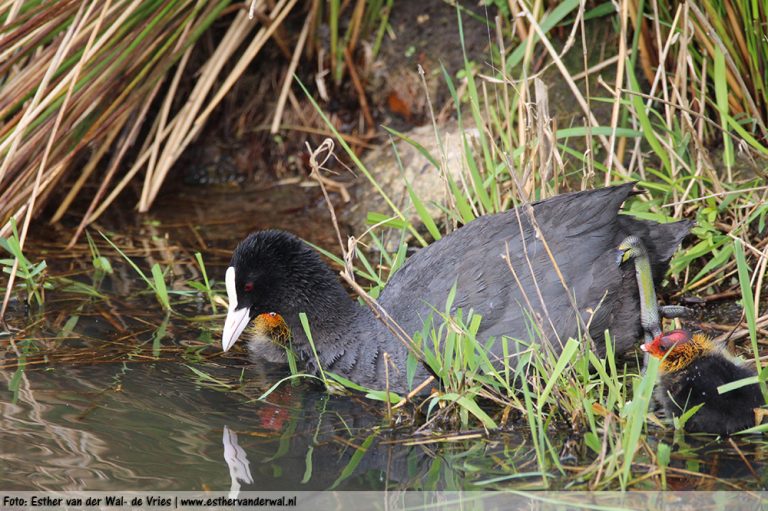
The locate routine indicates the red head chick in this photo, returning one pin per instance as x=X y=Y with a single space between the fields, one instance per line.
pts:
x=678 y=348
x=693 y=367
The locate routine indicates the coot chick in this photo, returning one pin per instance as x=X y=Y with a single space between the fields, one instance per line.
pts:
x=692 y=368
x=503 y=268
x=268 y=336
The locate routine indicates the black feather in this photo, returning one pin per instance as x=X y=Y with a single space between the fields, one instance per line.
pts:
x=581 y=231
x=697 y=383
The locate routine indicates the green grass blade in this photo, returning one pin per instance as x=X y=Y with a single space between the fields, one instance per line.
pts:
x=721 y=97
x=636 y=412
x=472 y=407
x=571 y=347
x=160 y=289
x=308 y=333
x=645 y=123
x=355 y=460
x=747 y=298
x=207 y=377
x=129 y=261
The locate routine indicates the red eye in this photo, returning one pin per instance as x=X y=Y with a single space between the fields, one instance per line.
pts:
x=248 y=287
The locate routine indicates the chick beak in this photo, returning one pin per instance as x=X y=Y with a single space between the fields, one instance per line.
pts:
x=237 y=319
x=645 y=347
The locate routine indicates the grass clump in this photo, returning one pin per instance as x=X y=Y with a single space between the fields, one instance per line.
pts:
x=32 y=275
x=657 y=135
x=573 y=390
x=156 y=283
x=80 y=75
x=726 y=41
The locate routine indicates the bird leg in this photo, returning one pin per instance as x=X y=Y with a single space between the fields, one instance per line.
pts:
x=633 y=248
x=674 y=311
x=650 y=317
x=650 y=312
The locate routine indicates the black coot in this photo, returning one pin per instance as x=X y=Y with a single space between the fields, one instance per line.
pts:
x=273 y=271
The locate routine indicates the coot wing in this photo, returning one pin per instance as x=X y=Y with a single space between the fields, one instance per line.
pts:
x=581 y=233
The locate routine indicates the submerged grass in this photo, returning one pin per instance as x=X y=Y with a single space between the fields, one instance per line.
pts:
x=156 y=283
x=32 y=275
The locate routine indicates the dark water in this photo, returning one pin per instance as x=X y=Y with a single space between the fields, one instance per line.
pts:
x=71 y=430
x=113 y=401
x=95 y=410
x=160 y=426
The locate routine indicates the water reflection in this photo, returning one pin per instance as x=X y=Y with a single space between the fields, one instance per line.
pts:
x=156 y=426
x=159 y=426
x=237 y=461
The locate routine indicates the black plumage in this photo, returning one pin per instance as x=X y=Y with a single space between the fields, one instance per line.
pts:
x=721 y=413
x=515 y=295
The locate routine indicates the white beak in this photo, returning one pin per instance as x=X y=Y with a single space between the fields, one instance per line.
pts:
x=643 y=347
x=236 y=320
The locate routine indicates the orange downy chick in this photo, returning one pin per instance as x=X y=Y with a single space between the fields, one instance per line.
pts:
x=692 y=369
x=680 y=347
x=268 y=335
x=271 y=327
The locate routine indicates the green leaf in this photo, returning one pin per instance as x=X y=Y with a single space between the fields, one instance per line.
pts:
x=743 y=382
x=682 y=419
x=747 y=298
x=645 y=123
x=420 y=148
x=582 y=131
x=421 y=210
x=570 y=349
x=101 y=263
x=207 y=377
x=635 y=413
x=472 y=407
x=721 y=96
x=355 y=460
x=160 y=290
x=305 y=325
x=159 y=335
